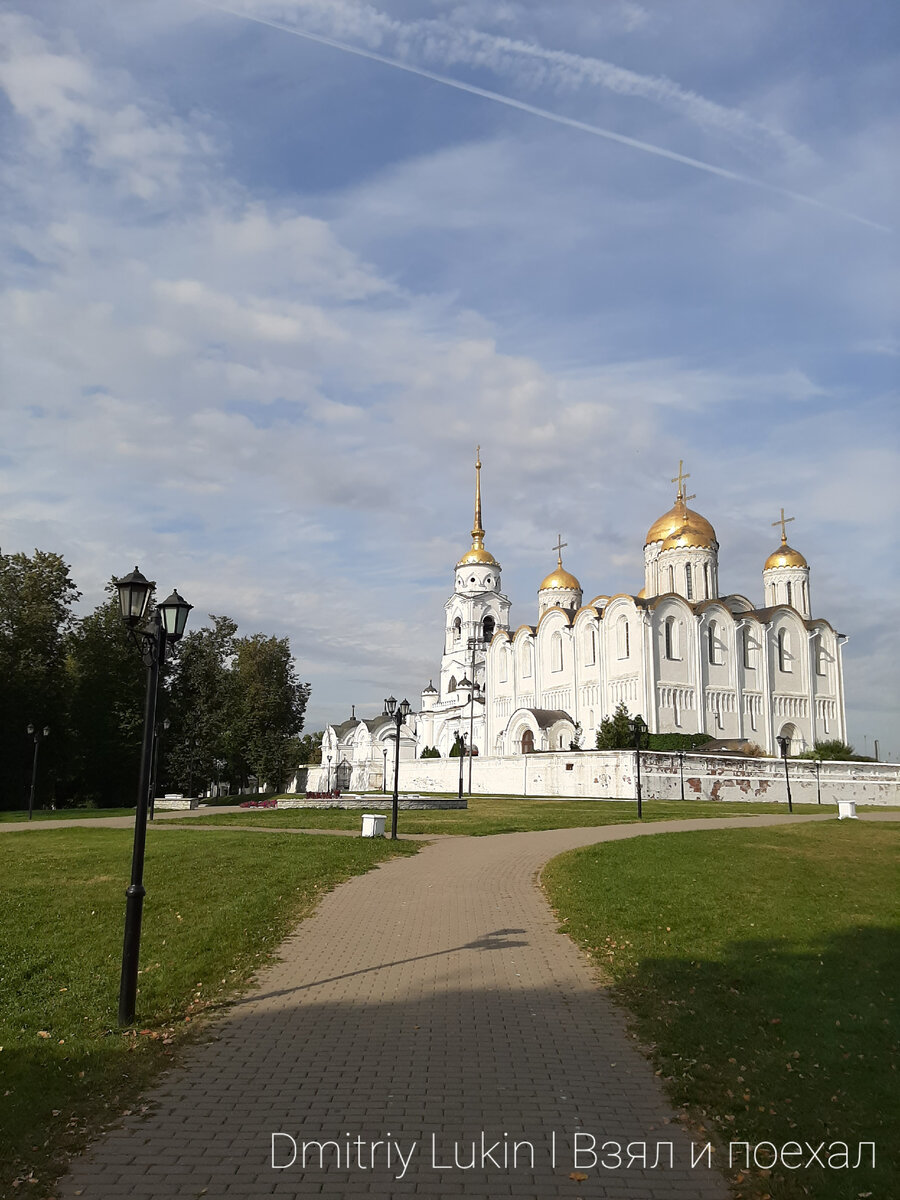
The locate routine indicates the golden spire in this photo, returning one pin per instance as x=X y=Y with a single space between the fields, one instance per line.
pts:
x=782 y=521
x=478 y=554
x=477 y=531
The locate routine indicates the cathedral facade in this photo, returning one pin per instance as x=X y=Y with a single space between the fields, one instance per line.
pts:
x=685 y=657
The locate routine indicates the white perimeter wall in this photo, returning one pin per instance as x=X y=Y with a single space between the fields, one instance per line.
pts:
x=610 y=774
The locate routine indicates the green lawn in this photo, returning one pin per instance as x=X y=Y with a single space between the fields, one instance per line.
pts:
x=761 y=967
x=496 y=814
x=65 y=814
x=64 y=1065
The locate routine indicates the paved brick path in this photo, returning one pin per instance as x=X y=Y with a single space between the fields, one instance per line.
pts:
x=433 y=995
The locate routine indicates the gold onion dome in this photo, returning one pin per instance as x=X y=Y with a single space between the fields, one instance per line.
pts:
x=477 y=553
x=681 y=522
x=785 y=556
x=561 y=578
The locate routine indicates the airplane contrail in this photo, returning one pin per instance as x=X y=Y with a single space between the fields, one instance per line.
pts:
x=548 y=115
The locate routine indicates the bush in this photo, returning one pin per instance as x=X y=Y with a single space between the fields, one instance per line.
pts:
x=676 y=741
x=430 y=752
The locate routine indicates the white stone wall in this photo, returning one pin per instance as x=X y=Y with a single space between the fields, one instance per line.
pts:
x=610 y=774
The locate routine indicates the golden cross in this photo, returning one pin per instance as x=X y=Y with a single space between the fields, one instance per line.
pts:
x=680 y=478
x=782 y=521
x=559 y=547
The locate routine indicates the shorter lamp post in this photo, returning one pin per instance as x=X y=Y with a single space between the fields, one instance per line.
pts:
x=461 y=742
x=783 y=743
x=398 y=714
x=638 y=729
x=818 y=781
x=681 y=770
x=384 y=771
x=151 y=636
x=157 y=738
x=328 y=788
x=38 y=735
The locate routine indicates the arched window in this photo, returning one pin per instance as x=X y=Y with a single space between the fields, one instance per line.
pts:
x=528 y=742
x=748 y=650
x=457 y=629
x=819 y=652
x=623 y=638
x=671 y=579
x=715 y=655
x=451 y=686
x=669 y=630
x=688 y=582
x=784 y=650
x=556 y=653
x=790 y=592
x=487 y=628
x=504 y=664
x=805 y=597
x=526 y=655
x=590 y=647
x=706 y=581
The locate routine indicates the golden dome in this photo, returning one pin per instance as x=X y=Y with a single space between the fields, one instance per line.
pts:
x=642 y=594
x=684 y=522
x=560 y=578
x=687 y=537
x=784 y=556
x=477 y=554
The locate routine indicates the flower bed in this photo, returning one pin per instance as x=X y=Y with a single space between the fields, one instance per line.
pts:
x=259 y=804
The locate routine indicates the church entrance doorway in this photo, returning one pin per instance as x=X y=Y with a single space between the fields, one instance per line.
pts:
x=342 y=775
x=528 y=742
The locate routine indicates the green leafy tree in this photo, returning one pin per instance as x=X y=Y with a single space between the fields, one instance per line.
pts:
x=831 y=750
x=310 y=747
x=615 y=731
x=270 y=703
x=106 y=683
x=202 y=705
x=577 y=738
x=36 y=598
x=430 y=752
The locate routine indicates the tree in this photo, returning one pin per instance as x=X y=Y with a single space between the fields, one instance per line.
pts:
x=270 y=703
x=106 y=683
x=310 y=746
x=615 y=731
x=202 y=706
x=36 y=598
x=832 y=750
x=430 y=752
x=577 y=737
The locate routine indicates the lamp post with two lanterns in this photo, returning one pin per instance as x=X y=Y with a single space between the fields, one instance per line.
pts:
x=398 y=714
x=151 y=634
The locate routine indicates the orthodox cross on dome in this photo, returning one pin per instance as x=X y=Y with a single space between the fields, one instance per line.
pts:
x=782 y=521
x=679 y=479
x=560 y=545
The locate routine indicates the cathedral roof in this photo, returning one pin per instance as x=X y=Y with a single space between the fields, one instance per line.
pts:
x=546 y=717
x=785 y=556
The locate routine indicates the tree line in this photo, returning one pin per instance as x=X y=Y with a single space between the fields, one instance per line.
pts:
x=234 y=705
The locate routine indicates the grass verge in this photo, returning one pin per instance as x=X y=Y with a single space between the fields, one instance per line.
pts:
x=66 y=1069
x=498 y=814
x=761 y=968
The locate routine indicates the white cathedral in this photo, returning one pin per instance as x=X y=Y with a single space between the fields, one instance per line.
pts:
x=683 y=656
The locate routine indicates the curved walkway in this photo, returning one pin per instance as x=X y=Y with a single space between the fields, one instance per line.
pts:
x=432 y=996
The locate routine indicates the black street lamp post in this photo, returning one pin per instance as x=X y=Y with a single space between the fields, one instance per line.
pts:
x=818 y=782
x=328 y=789
x=461 y=741
x=151 y=636
x=783 y=743
x=681 y=770
x=475 y=643
x=638 y=729
x=398 y=714
x=38 y=735
x=384 y=771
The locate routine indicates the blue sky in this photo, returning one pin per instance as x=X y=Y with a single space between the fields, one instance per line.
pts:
x=262 y=295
